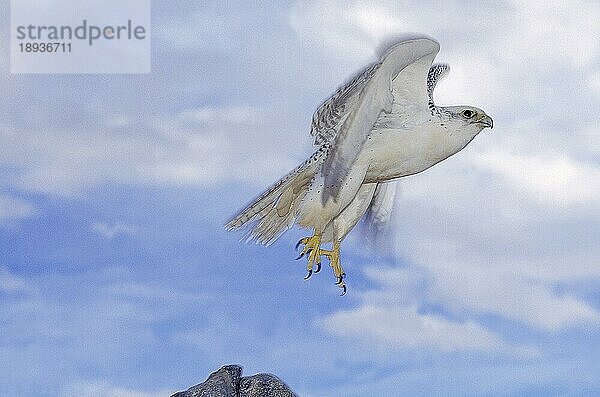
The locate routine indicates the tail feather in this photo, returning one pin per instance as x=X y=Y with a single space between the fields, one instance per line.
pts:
x=276 y=209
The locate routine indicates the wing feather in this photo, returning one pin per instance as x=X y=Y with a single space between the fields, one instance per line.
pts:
x=376 y=226
x=436 y=73
x=330 y=116
x=380 y=210
x=400 y=79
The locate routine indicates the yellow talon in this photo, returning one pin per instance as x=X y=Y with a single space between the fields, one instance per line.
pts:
x=334 y=261
x=312 y=247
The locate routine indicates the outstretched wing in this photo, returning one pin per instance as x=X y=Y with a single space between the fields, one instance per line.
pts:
x=330 y=116
x=380 y=210
x=376 y=228
x=399 y=80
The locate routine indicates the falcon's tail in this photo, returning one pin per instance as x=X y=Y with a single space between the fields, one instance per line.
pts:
x=275 y=210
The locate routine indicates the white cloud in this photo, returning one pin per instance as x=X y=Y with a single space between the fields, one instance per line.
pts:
x=63 y=162
x=594 y=81
x=12 y=208
x=524 y=30
x=378 y=22
x=554 y=31
x=484 y=246
x=214 y=145
x=558 y=180
x=110 y=231
x=200 y=146
x=391 y=315
x=352 y=28
x=13 y=284
x=481 y=289
x=327 y=27
x=475 y=79
x=397 y=327
x=242 y=115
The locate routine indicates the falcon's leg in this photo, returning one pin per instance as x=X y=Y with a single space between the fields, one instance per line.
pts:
x=312 y=248
x=334 y=261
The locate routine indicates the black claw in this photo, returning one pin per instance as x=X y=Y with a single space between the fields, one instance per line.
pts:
x=339 y=280
x=303 y=253
x=308 y=275
x=318 y=269
x=298 y=244
x=344 y=291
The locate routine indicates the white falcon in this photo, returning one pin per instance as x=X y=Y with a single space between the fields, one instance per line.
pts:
x=380 y=126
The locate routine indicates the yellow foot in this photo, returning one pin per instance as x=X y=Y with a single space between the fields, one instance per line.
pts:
x=334 y=261
x=312 y=248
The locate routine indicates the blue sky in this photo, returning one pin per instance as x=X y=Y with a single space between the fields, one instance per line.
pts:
x=117 y=278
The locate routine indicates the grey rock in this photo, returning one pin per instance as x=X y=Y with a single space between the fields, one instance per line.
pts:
x=228 y=382
x=264 y=385
x=222 y=383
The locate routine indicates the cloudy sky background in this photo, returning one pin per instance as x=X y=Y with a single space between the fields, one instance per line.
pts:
x=117 y=278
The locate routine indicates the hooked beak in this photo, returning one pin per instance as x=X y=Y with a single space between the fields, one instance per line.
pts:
x=486 y=121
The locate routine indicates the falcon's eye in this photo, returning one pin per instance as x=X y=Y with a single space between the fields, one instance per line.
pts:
x=468 y=113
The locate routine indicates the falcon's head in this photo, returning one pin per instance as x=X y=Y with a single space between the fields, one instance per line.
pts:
x=469 y=117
